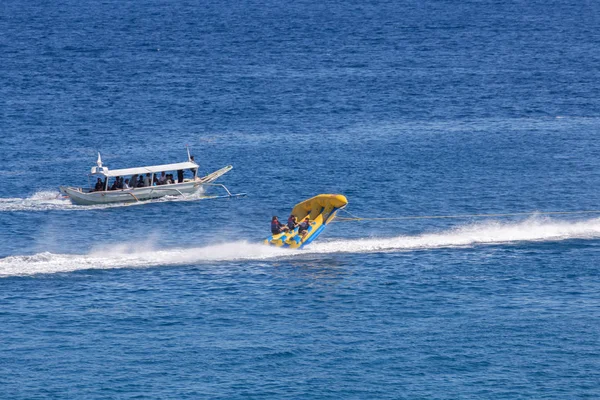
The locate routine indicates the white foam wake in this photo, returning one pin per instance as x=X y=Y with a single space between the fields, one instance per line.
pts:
x=123 y=257
x=48 y=200
x=490 y=232
x=40 y=201
x=534 y=229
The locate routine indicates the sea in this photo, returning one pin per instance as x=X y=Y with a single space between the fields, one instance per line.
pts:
x=416 y=108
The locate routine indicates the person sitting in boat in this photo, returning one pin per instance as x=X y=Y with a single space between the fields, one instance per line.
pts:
x=163 y=178
x=303 y=227
x=277 y=227
x=292 y=222
x=169 y=179
x=147 y=180
x=99 y=185
x=115 y=184
x=126 y=184
x=133 y=181
x=140 y=182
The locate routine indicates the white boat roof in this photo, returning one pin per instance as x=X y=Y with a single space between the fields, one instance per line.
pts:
x=149 y=169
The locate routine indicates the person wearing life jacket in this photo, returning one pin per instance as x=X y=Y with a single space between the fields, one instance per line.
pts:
x=277 y=227
x=292 y=222
x=303 y=227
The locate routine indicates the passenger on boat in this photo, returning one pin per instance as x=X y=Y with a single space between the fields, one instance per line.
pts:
x=99 y=185
x=134 y=181
x=277 y=227
x=147 y=180
x=169 y=179
x=163 y=178
x=119 y=182
x=126 y=184
x=155 y=180
x=292 y=222
x=140 y=182
x=180 y=176
x=115 y=184
x=303 y=227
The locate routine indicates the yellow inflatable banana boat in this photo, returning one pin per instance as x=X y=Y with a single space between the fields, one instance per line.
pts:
x=320 y=210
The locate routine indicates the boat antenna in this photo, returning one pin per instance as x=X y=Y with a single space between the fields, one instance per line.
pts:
x=188 y=151
x=99 y=162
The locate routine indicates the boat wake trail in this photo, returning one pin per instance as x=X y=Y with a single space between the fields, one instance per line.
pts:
x=534 y=229
x=40 y=201
x=124 y=257
x=492 y=232
x=49 y=200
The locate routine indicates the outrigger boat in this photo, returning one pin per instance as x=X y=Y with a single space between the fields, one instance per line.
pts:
x=320 y=210
x=183 y=185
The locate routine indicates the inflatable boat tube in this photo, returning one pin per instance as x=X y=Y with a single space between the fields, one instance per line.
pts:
x=321 y=210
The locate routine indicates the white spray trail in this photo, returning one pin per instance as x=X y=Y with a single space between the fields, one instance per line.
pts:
x=491 y=232
x=533 y=229
x=48 y=200
x=121 y=258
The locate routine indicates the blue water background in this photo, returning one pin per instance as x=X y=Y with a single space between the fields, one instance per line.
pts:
x=408 y=108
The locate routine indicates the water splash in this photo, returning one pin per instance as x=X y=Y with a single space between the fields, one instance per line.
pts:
x=40 y=201
x=490 y=232
x=129 y=256
x=48 y=200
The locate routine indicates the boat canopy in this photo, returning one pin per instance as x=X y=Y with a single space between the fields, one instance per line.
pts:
x=145 y=170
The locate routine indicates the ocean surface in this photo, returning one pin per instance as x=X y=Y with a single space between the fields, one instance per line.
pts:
x=412 y=108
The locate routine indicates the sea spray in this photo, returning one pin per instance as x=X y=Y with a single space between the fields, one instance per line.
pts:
x=135 y=256
x=144 y=255
x=48 y=200
x=488 y=232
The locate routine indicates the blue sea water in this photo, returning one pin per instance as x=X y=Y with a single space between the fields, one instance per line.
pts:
x=411 y=108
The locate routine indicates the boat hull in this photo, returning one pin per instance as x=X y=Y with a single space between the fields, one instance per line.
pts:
x=80 y=197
